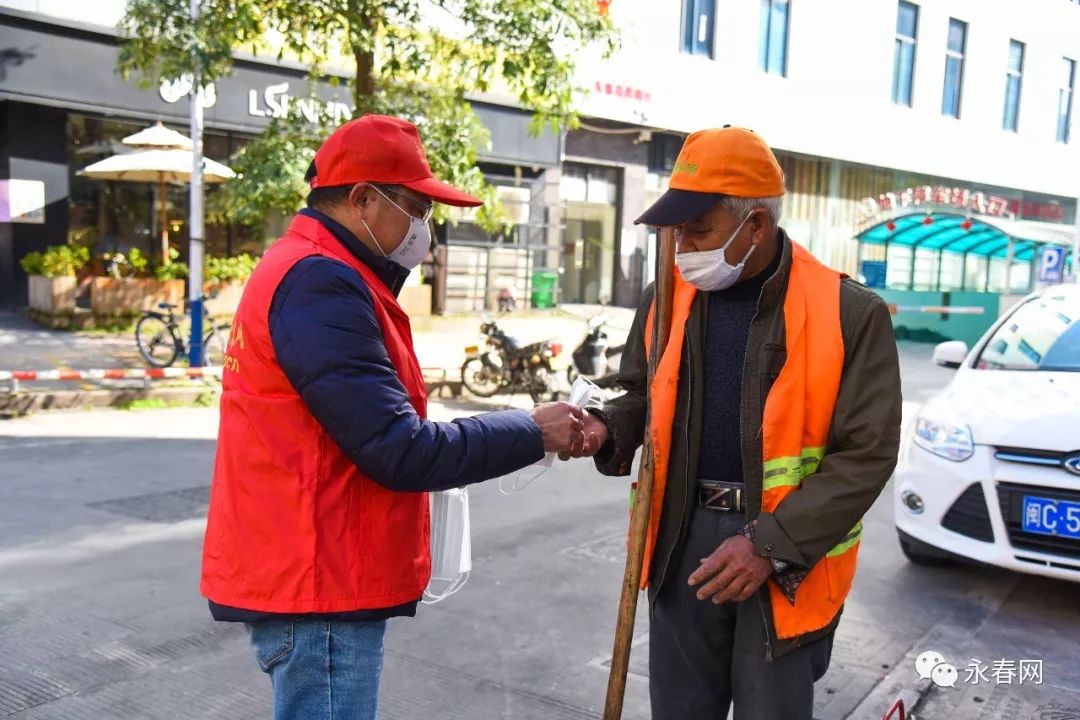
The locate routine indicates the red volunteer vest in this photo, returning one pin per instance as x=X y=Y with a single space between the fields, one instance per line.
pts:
x=294 y=526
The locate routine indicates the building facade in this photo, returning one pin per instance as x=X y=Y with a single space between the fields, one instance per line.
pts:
x=867 y=103
x=860 y=100
x=63 y=106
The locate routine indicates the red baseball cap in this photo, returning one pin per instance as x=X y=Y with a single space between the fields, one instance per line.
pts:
x=381 y=149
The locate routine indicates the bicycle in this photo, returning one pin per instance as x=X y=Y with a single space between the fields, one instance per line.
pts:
x=161 y=340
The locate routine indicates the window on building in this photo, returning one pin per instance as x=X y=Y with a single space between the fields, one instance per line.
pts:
x=663 y=152
x=907 y=26
x=698 y=30
x=589 y=183
x=954 y=68
x=1013 y=77
x=1065 y=99
x=774 y=36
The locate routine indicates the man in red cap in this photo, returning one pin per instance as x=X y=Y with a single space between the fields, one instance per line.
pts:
x=775 y=420
x=318 y=528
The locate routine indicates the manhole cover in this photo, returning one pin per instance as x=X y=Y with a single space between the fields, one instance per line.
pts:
x=165 y=507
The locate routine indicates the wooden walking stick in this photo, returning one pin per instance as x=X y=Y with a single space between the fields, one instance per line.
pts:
x=639 y=517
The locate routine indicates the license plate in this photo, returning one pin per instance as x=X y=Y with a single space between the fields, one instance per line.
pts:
x=472 y=351
x=1046 y=516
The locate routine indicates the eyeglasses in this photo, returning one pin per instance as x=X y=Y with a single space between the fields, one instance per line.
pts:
x=415 y=208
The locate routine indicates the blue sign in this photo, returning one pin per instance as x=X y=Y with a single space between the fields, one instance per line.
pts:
x=1052 y=264
x=874 y=272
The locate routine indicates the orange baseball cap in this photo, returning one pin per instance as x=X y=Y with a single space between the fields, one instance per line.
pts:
x=713 y=163
x=385 y=150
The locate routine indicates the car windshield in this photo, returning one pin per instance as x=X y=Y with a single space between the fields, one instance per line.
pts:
x=1042 y=334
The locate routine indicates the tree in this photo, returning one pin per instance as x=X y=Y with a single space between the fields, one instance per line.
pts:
x=413 y=58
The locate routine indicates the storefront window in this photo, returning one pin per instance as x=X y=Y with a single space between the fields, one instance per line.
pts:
x=116 y=216
x=516 y=202
x=589 y=183
x=105 y=216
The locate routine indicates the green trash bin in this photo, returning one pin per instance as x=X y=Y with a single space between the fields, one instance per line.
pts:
x=543 y=289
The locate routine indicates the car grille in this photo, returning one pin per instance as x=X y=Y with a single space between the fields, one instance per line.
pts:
x=969 y=515
x=1029 y=456
x=1011 y=498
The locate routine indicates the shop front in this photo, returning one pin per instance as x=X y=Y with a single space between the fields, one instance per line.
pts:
x=63 y=107
x=953 y=260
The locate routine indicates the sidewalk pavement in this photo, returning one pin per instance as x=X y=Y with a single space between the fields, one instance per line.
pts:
x=1024 y=667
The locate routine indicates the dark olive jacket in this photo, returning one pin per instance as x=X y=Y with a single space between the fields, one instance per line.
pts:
x=859 y=459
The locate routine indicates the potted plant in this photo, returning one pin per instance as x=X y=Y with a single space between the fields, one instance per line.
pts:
x=225 y=278
x=131 y=287
x=53 y=286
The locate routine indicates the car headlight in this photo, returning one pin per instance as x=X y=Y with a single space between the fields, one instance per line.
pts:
x=944 y=438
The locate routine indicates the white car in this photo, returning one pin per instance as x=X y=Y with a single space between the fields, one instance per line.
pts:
x=990 y=468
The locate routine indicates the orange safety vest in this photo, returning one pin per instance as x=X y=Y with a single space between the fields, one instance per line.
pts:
x=795 y=429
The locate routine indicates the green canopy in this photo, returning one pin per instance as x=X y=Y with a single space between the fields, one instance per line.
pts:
x=980 y=236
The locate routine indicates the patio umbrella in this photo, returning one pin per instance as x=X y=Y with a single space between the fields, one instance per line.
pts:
x=163 y=165
x=158 y=136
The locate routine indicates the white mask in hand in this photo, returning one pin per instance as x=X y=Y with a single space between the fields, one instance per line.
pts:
x=581 y=392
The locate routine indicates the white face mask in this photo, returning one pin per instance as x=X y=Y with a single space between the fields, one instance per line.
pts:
x=414 y=247
x=709 y=270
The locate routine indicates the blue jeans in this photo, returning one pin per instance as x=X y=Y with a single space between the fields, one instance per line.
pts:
x=321 y=669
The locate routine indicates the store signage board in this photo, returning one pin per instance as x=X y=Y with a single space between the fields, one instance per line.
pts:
x=941 y=196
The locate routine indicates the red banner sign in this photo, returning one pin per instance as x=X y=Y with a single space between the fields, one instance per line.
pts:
x=953 y=197
x=622 y=91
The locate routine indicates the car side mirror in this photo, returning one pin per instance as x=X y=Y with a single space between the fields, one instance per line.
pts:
x=951 y=354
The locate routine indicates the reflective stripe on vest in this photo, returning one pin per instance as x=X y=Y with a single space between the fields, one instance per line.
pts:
x=795 y=428
x=791 y=470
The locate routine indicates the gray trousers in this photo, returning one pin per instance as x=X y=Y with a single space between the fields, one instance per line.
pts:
x=704 y=657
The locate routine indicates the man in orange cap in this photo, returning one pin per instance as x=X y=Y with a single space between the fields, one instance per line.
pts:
x=318 y=529
x=775 y=417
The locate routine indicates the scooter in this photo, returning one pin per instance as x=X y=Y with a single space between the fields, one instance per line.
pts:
x=594 y=358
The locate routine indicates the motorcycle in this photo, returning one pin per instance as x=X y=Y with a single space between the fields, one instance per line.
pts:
x=508 y=366
x=594 y=358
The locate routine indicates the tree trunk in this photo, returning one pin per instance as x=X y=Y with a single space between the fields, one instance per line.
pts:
x=365 y=23
x=365 y=78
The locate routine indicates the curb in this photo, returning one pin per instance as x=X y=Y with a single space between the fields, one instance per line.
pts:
x=23 y=403
x=950 y=638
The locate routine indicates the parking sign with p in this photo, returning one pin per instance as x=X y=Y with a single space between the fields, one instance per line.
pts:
x=1052 y=264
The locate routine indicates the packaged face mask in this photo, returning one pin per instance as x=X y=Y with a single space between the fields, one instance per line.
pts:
x=581 y=393
x=451 y=544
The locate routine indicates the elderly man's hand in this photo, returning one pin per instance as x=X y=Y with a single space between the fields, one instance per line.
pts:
x=596 y=434
x=562 y=425
x=732 y=572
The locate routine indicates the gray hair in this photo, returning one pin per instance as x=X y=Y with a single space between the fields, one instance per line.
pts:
x=741 y=207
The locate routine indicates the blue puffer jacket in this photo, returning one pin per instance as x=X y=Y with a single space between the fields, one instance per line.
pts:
x=329 y=344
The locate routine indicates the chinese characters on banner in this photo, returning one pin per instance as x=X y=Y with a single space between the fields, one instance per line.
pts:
x=622 y=91
x=958 y=198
